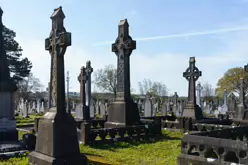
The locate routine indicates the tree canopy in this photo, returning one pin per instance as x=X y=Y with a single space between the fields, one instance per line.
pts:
x=231 y=81
x=19 y=67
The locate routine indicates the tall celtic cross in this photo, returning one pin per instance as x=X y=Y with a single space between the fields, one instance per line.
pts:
x=123 y=47
x=192 y=74
x=82 y=78
x=56 y=44
x=88 y=71
x=242 y=92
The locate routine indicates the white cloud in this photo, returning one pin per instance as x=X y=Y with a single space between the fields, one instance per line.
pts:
x=166 y=67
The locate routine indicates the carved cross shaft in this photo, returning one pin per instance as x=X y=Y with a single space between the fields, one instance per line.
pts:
x=56 y=44
x=88 y=69
x=123 y=47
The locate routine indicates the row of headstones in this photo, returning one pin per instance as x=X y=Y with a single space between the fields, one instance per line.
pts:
x=98 y=108
x=25 y=108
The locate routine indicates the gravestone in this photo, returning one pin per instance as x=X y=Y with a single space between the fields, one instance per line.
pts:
x=164 y=108
x=192 y=74
x=175 y=101
x=25 y=109
x=7 y=89
x=88 y=72
x=92 y=108
x=102 y=109
x=57 y=141
x=123 y=111
x=148 y=106
x=242 y=108
x=38 y=106
x=224 y=106
x=199 y=89
x=81 y=107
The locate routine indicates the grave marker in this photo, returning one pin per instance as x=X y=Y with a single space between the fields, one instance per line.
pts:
x=123 y=111
x=57 y=141
x=192 y=74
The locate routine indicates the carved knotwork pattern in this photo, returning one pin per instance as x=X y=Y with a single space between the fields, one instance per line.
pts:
x=192 y=73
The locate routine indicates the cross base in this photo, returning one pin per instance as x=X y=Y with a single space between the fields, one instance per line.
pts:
x=55 y=130
x=192 y=110
x=122 y=114
x=42 y=159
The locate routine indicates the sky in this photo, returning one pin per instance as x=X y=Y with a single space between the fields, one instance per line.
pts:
x=168 y=33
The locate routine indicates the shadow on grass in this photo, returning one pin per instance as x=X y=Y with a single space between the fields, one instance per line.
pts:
x=127 y=144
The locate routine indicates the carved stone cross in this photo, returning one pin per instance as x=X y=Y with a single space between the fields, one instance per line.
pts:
x=88 y=71
x=192 y=74
x=82 y=78
x=123 y=47
x=56 y=44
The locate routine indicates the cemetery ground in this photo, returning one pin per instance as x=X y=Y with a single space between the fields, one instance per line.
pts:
x=22 y=121
x=160 y=150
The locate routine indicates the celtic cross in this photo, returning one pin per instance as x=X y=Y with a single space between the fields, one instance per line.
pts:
x=88 y=71
x=56 y=44
x=123 y=47
x=82 y=78
x=192 y=74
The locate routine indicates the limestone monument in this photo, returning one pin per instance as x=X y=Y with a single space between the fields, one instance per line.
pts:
x=57 y=141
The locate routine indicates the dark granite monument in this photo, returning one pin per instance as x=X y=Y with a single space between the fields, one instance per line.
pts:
x=123 y=111
x=57 y=141
x=192 y=74
x=8 y=130
x=82 y=107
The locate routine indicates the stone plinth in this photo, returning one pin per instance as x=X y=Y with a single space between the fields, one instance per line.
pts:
x=57 y=141
x=122 y=114
x=193 y=111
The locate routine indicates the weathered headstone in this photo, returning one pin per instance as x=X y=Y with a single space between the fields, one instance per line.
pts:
x=57 y=140
x=123 y=111
x=7 y=89
x=175 y=103
x=164 y=109
x=199 y=89
x=192 y=74
x=224 y=106
x=102 y=109
x=148 y=106
x=92 y=108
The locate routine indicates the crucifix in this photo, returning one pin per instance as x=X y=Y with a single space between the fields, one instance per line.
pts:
x=123 y=47
x=88 y=71
x=56 y=44
x=192 y=74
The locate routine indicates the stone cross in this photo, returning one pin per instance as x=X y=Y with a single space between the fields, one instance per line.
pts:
x=192 y=74
x=82 y=78
x=88 y=72
x=239 y=113
x=57 y=140
x=175 y=104
x=225 y=97
x=57 y=44
x=123 y=47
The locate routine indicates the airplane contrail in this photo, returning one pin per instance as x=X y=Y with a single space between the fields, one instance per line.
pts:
x=182 y=35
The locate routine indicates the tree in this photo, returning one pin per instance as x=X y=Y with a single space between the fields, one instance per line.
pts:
x=28 y=87
x=154 y=88
x=231 y=81
x=207 y=92
x=105 y=79
x=19 y=67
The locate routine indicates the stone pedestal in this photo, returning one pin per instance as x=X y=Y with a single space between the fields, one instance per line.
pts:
x=8 y=130
x=57 y=141
x=193 y=111
x=122 y=114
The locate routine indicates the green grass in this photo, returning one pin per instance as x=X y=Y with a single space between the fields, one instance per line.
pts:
x=158 y=151
x=20 y=121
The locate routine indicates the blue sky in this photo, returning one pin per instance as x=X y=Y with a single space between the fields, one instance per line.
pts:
x=92 y=22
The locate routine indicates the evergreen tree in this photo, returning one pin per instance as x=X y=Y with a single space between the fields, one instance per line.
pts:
x=19 y=67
